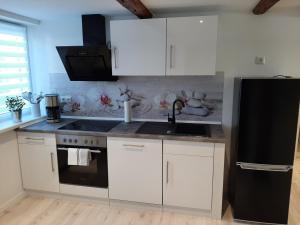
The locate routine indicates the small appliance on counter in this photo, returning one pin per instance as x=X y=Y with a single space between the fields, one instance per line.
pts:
x=52 y=108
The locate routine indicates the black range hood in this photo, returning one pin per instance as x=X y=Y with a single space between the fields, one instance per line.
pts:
x=92 y=61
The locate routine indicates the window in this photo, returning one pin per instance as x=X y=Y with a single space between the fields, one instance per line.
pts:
x=14 y=64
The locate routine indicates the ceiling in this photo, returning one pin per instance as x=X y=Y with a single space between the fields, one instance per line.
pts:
x=47 y=9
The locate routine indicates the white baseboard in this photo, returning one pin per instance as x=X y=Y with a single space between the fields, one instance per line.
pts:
x=77 y=198
x=188 y=211
x=82 y=191
x=134 y=205
x=159 y=208
x=12 y=201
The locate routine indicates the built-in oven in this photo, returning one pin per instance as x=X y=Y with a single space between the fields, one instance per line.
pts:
x=94 y=172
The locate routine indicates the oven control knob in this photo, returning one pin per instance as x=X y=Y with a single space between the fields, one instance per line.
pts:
x=85 y=141
x=75 y=140
x=70 y=140
x=65 y=140
x=92 y=142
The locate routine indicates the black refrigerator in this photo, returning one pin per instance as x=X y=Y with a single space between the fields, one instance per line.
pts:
x=264 y=134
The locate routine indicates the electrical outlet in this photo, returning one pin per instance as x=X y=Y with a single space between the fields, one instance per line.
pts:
x=66 y=99
x=260 y=60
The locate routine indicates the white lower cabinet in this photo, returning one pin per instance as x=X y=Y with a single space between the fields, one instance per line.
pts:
x=188 y=174
x=135 y=170
x=173 y=173
x=38 y=160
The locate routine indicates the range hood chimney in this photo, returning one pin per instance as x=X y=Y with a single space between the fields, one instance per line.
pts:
x=92 y=61
x=93 y=30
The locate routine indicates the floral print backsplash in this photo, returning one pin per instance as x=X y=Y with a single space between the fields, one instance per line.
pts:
x=150 y=97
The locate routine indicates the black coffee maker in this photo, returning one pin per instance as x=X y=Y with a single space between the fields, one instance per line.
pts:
x=52 y=108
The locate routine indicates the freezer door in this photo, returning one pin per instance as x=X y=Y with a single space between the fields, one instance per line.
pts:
x=262 y=193
x=268 y=121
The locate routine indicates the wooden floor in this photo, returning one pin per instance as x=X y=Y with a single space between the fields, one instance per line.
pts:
x=294 y=217
x=33 y=210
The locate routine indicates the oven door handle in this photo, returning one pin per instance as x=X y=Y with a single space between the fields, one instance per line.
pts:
x=97 y=151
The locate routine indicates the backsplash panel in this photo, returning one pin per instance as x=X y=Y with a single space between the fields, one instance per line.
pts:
x=151 y=97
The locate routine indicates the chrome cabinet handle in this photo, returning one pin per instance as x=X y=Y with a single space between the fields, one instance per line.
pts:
x=52 y=161
x=35 y=139
x=135 y=146
x=115 y=56
x=167 y=173
x=134 y=149
x=171 y=56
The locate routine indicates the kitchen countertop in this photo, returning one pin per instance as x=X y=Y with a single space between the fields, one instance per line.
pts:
x=125 y=130
x=8 y=124
x=45 y=127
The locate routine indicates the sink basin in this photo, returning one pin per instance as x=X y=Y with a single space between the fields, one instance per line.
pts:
x=161 y=128
x=189 y=129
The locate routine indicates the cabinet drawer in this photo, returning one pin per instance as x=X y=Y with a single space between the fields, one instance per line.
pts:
x=133 y=144
x=188 y=148
x=36 y=138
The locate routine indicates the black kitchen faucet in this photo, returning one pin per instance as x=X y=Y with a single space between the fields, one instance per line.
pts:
x=172 y=120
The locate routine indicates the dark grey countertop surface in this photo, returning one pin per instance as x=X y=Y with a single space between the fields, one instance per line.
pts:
x=125 y=130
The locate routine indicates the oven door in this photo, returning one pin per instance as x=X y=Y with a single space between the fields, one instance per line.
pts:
x=93 y=175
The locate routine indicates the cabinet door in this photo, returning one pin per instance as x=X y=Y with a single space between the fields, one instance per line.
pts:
x=135 y=170
x=188 y=181
x=39 y=167
x=138 y=47
x=191 y=45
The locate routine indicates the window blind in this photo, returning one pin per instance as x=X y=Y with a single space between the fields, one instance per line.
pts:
x=14 y=65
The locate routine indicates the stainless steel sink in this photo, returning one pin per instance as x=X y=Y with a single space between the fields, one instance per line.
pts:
x=161 y=128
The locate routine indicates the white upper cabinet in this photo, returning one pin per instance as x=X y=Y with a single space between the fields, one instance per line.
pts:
x=191 y=45
x=157 y=47
x=138 y=47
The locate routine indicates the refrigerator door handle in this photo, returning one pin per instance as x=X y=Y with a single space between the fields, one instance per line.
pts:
x=264 y=167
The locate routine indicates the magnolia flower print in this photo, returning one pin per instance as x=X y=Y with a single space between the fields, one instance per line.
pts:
x=75 y=107
x=105 y=100
x=164 y=104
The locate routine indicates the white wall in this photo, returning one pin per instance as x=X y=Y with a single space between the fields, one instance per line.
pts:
x=10 y=176
x=42 y=42
x=241 y=38
x=44 y=59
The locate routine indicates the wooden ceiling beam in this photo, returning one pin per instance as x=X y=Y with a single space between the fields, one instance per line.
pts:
x=137 y=8
x=263 y=6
